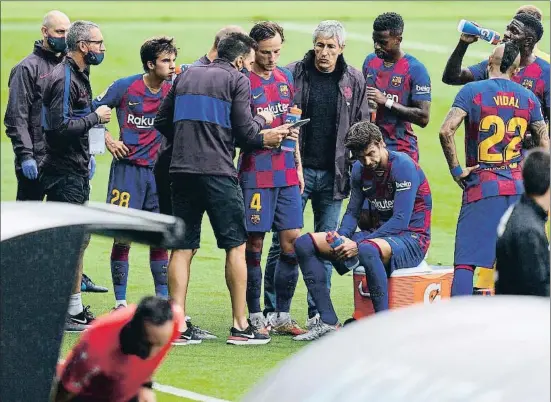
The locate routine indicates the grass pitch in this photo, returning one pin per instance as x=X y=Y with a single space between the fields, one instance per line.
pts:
x=213 y=368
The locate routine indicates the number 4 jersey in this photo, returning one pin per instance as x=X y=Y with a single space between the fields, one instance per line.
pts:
x=499 y=112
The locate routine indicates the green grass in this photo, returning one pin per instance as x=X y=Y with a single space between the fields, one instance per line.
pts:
x=213 y=368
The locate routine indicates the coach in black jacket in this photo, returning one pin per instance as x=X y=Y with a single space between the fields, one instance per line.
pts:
x=522 y=254
x=24 y=109
x=67 y=102
x=67 y=117
x=164 y=157
x=205 y=113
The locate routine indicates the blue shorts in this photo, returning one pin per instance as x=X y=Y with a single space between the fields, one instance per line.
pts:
x=476 y=234
x=408 y=249
x=132 y=186
x=274 y=209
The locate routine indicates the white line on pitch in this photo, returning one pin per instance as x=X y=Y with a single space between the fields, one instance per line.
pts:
x=183 y=393
x=427 y=47
x=167 y=389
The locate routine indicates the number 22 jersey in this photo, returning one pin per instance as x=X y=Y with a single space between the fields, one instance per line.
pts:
x=499 y=112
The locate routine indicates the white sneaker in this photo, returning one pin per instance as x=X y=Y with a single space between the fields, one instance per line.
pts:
x=270 y=318
x=260 y=323
x=317 y=331
x=312 y=322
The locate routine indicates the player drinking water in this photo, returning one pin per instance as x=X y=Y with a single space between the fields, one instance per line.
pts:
x=497 y=114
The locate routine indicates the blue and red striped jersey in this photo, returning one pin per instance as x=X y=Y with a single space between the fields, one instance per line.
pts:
x=136 y=108
x=269 y=168
x=499 y=112
x=535 y=77
x=405 y=81
x=390 y=201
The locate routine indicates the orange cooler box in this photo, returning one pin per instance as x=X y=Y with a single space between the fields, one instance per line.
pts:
x=423 y=284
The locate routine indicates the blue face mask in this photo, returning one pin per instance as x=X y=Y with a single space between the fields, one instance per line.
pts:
x=93 y=58
x=58 y=45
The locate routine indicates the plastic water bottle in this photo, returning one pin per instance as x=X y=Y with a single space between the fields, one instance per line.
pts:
x=468 y=27
x=293 y=115
x=334 y=241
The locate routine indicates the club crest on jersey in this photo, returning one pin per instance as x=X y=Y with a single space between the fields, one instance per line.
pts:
x=284 y=90
x=255 y=219
x=397 y=80
x=528 y=83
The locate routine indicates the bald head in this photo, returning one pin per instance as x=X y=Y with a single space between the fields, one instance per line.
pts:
x=530 y=10
x=55 y=26
x=505 y=59
x=225 y=31
x=55 y=18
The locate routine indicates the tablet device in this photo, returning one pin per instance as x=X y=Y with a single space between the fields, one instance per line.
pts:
x=300 y=123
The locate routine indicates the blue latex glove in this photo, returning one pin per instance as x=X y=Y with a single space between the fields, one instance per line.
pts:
x=92 y=167
x=30 y=170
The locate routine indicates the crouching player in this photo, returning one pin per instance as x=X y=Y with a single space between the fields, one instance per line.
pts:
x=131 y=180
x=392 y=191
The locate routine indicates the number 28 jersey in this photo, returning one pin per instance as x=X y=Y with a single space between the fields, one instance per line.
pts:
x=499 y=112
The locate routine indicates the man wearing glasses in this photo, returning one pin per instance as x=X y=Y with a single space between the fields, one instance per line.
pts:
x=67 y=166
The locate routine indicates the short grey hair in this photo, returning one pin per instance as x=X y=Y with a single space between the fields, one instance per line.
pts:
x=79 y=31
x=330 y=29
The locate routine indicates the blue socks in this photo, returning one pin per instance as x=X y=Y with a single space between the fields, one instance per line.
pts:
x=158 y=262
x=462 y=284
x=377 y=281
x=254 y=281
x=315 y=277
x=286 y=278
x=119 y=270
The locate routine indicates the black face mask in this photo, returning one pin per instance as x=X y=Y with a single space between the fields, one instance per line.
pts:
x=58 y=45
x=133 y=342
x=93 y=58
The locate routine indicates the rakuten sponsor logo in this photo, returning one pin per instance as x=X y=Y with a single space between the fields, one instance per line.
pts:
x=382 y=205
x=140 y=121
x=276 y=109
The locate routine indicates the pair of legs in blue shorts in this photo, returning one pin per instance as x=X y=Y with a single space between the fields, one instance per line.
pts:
x=476 y=238
x=278 y=209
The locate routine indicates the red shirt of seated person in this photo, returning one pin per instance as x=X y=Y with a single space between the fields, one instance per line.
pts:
x=117 y=356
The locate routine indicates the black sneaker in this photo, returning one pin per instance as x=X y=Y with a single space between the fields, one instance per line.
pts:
x=249 y=336
x=189 y=337
x=87 y=285
x=200 y=332
x=79 y=322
